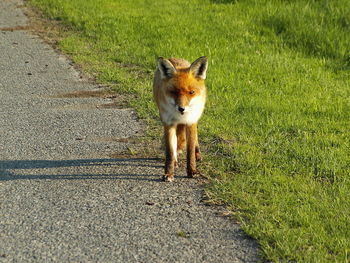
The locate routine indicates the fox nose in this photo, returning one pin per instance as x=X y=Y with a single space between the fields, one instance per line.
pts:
x=181 y=109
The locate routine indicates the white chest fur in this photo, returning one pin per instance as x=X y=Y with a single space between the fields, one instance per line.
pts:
x=170 y=115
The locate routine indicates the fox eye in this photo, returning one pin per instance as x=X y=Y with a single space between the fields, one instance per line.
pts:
x=192 y=92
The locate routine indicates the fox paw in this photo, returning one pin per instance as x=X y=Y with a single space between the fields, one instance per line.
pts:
x=168 y=178
x=192 y=174
x=198 y=156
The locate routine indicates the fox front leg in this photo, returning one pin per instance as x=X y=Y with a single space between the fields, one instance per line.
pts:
x=170 y=152
x=191 y=137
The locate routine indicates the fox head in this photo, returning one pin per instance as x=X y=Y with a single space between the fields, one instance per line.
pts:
x=184 y=85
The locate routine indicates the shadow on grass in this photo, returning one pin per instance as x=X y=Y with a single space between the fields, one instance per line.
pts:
x=80 y=169
x=315 y=41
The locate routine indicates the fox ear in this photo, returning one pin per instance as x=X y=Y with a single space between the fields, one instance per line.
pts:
x=165 y=67
x=199 y=67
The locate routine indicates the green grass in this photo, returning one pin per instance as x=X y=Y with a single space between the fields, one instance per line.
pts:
x=277 y=122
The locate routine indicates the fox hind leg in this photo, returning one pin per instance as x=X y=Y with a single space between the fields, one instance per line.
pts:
x=181 y=137
x=197 y=150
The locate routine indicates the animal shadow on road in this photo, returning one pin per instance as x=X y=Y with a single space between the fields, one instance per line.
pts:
x=145 y=169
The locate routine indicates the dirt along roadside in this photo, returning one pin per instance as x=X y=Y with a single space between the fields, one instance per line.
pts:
x=63 y=197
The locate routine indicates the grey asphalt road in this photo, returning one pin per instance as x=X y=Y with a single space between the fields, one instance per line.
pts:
x=63 y=198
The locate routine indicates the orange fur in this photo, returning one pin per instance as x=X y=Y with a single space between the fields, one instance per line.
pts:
x=180 y=94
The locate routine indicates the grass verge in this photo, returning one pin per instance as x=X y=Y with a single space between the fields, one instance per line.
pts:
x=276 y=127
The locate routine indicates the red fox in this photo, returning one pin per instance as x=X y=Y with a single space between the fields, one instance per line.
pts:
x=180 y=93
